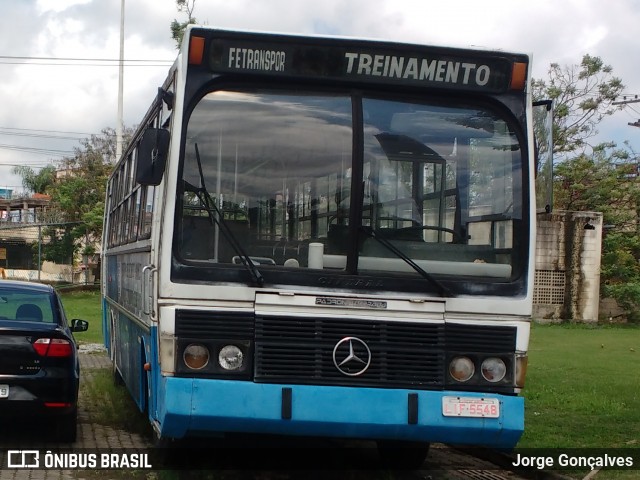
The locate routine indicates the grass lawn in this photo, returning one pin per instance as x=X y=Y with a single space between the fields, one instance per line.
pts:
x=583 y=387
x=84 y=304
x=582 y=390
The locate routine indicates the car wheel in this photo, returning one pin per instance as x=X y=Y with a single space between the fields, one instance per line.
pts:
x=67 y=427
x=402 y=454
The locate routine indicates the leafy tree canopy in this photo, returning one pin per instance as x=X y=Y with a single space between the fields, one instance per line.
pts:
x=78 y=194
x=583 y=96
x=604 y=181
x=80 y=191
x=178 y=28
x=601 y=177
x=36 y=182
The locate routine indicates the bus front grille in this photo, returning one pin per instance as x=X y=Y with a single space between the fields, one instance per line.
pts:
x=301 y=350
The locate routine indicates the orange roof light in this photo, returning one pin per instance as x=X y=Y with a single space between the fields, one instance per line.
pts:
x=196 y=50
x=518 y=76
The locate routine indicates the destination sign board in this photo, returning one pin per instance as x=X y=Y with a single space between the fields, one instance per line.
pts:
x=364 y=62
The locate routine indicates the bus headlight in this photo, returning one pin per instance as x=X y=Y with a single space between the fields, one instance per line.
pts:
x=230 y=357
x=461 y=369
x=493 y=369
x=196 y=356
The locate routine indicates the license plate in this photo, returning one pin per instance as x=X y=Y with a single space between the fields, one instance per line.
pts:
x=470 y=407
x=4 y=391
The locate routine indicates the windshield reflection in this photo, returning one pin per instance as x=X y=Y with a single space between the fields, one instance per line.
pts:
x=441 y=184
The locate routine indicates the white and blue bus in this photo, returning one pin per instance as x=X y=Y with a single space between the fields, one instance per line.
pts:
x=327 y=237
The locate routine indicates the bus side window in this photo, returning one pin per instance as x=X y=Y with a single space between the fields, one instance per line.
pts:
x=147 y=211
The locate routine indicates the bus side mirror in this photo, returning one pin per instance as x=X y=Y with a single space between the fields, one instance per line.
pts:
x=152 y=156
x=543 y=161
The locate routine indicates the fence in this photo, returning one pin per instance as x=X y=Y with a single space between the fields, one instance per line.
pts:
x=24 y=248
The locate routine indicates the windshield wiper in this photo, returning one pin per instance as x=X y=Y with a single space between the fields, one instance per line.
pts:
x=215 y=215
x=442 y=290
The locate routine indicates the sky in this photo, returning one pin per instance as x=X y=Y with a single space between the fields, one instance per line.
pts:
x=58 y=58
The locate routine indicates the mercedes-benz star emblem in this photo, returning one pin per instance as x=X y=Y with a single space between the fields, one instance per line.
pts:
x=351 y=356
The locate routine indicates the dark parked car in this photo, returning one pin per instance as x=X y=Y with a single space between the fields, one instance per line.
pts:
x=39 y=369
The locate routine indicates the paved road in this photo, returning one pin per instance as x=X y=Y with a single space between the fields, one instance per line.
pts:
x=442 y=463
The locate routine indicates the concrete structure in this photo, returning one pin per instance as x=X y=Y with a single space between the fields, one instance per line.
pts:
x=24 y=209
x=567 y=277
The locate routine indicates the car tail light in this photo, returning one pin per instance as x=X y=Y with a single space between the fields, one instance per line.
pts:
x=53 y=347
x=57 y=404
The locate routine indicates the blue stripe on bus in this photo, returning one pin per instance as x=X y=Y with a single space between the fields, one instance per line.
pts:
x=201 y=406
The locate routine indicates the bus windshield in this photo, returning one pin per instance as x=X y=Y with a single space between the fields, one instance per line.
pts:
x=329 y=181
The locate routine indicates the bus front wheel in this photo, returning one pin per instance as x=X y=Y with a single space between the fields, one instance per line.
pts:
x=402 y=454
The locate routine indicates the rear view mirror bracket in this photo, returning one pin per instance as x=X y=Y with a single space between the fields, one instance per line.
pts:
x=543 y=161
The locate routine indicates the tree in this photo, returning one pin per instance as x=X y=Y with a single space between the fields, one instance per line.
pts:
x=178 y=28
x=36 y=182
x=583 y=96
x=78 y=195
x=606 y=180
x=620 y=270
x=59 y=246
x=602 y=177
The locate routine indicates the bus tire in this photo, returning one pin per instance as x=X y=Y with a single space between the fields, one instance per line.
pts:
x=402 y=454
x=166 y=443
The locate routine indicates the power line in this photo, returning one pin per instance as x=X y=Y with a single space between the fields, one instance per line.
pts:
x=116 y=60
x=47 y=131
x=30 y=165
x=48 y=134
x=85 y=62
x=36 y=135
x=40 y=151
x=48 y=64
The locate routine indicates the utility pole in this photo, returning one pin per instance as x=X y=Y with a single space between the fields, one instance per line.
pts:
x=120 y=86
x=635 y=99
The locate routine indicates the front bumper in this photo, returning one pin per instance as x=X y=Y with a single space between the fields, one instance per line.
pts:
x=194 y=406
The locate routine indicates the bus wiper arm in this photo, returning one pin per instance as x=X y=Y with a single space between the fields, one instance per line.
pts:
x=216 y=216
x=442 y=290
